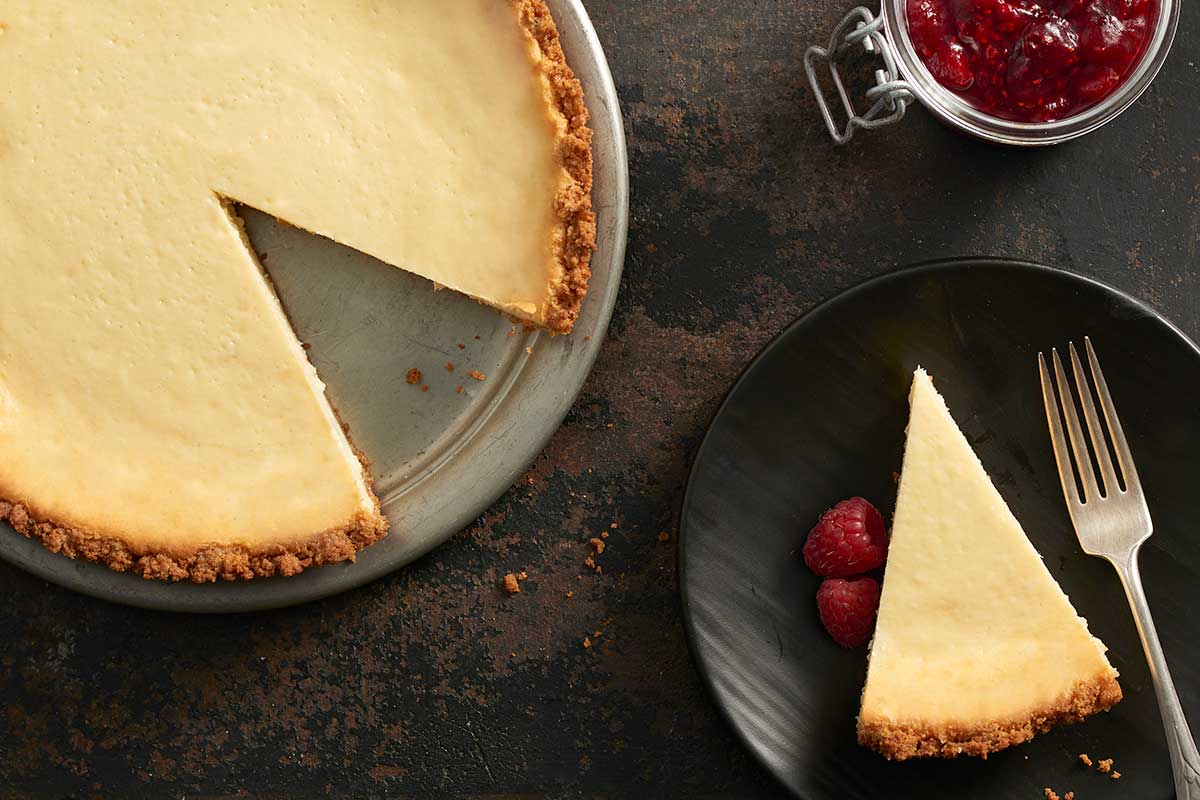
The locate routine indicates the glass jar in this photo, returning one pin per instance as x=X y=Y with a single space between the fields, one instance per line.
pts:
x=903 y=77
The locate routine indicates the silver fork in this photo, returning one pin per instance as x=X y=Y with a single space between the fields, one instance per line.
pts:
x=1112 y=523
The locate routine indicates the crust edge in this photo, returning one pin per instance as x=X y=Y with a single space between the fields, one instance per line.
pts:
x=576 y=239
x=205 y=564
x=900 y=741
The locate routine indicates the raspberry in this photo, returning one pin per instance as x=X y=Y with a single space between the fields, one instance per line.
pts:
x=847 y=609
x=849 y=539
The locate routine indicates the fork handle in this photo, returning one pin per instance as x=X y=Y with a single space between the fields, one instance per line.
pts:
x=1185 y=761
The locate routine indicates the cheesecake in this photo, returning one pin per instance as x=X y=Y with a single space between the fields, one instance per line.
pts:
x=157 y=412
x=976 y=647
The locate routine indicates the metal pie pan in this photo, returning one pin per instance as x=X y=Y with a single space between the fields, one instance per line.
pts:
x=438 y=457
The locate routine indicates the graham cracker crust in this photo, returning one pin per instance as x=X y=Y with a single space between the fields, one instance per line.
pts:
x=576 y=238
x=899 y=741
x=207 y=563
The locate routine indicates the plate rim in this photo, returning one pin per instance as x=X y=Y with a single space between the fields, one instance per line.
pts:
x=612 y=210
x=687 y=612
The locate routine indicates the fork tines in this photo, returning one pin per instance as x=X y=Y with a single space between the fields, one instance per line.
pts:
x=1100 y=434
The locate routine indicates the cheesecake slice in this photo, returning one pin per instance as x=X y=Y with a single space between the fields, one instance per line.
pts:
x=976 y=647
x=157 y=413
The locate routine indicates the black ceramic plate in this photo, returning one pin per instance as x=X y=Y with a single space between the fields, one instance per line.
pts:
x=820 y=415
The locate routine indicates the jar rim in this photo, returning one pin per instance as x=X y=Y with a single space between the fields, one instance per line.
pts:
x=952 y=109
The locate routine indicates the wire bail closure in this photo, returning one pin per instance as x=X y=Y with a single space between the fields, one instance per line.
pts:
x=890 y=95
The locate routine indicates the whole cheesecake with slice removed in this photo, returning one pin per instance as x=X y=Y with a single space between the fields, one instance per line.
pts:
x=976 y=647
x=157 y=412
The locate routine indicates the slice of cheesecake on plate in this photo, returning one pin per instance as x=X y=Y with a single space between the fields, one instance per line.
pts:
x=976 y=647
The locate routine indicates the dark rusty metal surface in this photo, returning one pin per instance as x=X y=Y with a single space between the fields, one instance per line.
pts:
x=435 y=682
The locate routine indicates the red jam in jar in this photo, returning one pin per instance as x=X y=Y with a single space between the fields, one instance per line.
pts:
x=1030 y=60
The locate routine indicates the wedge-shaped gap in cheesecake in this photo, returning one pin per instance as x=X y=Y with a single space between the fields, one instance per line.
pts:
x=307 y=325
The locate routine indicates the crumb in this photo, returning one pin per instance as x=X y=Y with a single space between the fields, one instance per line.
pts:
x=529 y=350
x=414 y=377
x=570 y=595
x=613 y=526
x=587 y=338
x=523 y=575
x=598 y=544
x=477 y=338
x=425 y=388
x=895 y=477
x=1085 y=759
x=597 y=634
x=586 y=643
x=305 y=346
x=449 y=366
x=1069 y=796
x=513 y=654
x=461 y=346
x=609 y=425
x=477 y=375
x=510 y=584
x=604 y=535
x=512 y=331
x=1104 y=765
x=459 y=389
x=1116 y=776
x=599 y=570
x=663 y=536
x=591 y=562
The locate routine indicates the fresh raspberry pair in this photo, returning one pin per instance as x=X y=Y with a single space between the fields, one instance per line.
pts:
x=849 y=540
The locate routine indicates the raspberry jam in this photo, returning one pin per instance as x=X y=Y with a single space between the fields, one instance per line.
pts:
x=1030 y=60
